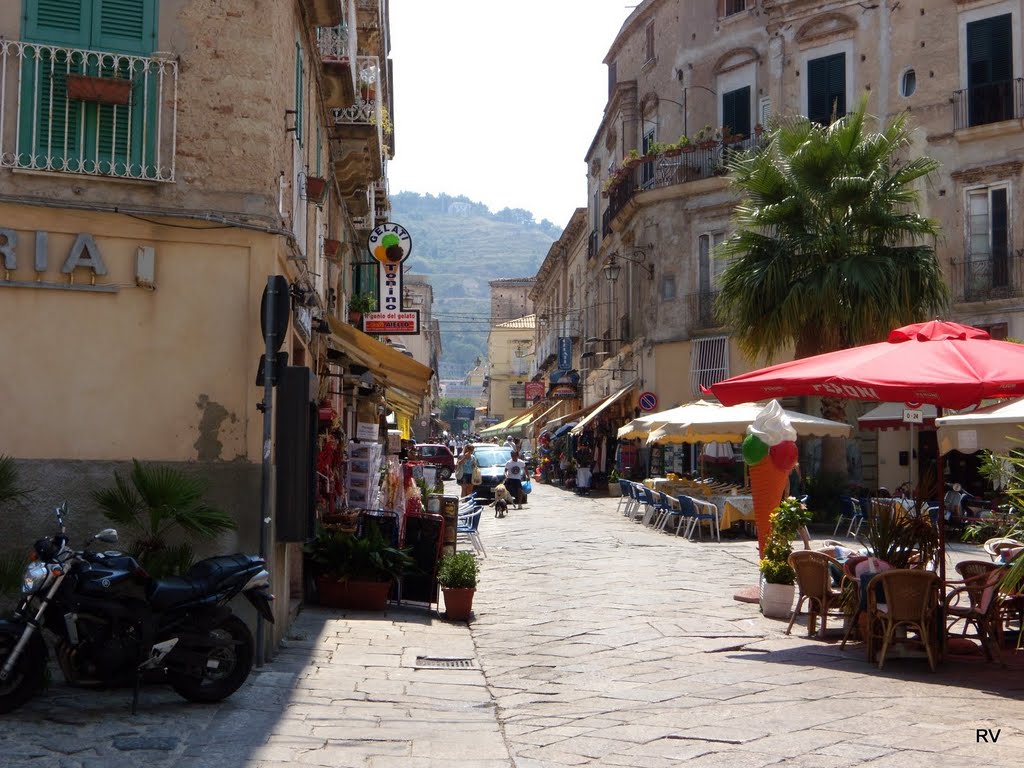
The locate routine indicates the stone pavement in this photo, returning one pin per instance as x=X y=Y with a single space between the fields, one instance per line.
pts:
x=595 y=642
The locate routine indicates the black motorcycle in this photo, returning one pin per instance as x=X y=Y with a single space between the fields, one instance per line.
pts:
x=113 y=625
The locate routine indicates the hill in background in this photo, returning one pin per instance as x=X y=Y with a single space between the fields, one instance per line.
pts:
x=461 y=246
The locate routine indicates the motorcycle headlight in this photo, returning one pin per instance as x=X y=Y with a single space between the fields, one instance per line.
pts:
x=34 y=578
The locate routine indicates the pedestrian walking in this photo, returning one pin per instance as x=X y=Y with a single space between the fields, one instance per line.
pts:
x=464 y=469
x=515 y=471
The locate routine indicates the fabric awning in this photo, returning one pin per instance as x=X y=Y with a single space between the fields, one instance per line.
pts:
x=594 y=413
x=574 y=416
x=526 y=422
x=996 y=428
x=501 y=425
x=409 y=378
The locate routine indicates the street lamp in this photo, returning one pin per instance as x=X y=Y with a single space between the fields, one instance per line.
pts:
x=612 y=268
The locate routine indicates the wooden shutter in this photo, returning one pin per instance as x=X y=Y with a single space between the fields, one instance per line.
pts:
x=836 y=86
x=125 y=26
x=1000 y=239
x=989 y=51
x=826 y=88
x=736 y=111
x=298 y=92
x=61 y=22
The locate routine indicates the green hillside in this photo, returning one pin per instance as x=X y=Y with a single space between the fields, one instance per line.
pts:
x=461 y=246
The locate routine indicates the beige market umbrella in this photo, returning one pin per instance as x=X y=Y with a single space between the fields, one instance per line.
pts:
x=707 y=422
x=641 y=427
x=998 y=428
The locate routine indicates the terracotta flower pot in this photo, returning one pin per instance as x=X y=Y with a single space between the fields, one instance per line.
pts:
x=458 y=603
x=355 y=318
x=316 y=189
x=332 y=248
x=101 y=90
x=354 y=595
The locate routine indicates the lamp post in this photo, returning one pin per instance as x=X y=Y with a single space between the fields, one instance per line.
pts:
x=685 y=89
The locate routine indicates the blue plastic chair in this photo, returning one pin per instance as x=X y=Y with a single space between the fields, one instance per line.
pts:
x=468 y=525
x=688 y=515
x=662 y=509
x=850 y=510
x=625 y=496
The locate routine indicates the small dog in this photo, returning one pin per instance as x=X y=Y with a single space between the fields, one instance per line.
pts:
x=501 y=499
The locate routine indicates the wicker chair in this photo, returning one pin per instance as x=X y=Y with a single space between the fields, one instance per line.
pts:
x=977 y=602
x=814 y=583
x=911 y=599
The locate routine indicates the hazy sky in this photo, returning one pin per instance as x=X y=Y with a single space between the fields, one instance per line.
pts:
x=500 y=101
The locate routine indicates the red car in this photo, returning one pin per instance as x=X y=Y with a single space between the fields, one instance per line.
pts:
x=435 y=455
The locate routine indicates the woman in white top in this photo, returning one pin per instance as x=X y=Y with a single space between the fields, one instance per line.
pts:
x=515 y=472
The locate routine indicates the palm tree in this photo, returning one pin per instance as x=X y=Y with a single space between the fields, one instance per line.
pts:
x=155 y=502
x=829 y=250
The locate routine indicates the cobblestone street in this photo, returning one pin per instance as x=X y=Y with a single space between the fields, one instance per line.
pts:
x=596 y=642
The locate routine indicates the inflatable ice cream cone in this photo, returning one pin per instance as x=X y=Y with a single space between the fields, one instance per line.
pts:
x=770 y=452
x=767 y=484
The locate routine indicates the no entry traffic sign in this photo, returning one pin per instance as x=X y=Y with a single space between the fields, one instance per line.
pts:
x=648 y=401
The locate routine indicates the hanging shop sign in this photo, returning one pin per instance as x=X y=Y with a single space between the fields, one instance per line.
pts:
x=564 y=353
x=390 y=244
x=83 y=253
x=534 y=391
x=562 y=391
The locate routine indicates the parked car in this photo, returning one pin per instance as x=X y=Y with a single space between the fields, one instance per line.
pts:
x=492 y=459
x=434 y=455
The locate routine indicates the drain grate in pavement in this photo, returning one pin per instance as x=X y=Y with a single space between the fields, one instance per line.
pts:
x=444 y=662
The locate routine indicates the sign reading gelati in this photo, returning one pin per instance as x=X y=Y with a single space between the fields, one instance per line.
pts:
x=563 y=390
x=390 y=244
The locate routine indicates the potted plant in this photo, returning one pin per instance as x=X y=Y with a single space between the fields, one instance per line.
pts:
x=777 y=577
x=99 y=90
x=331 y=249
x=316 y=189
x=359 y=305
x=457 y=575
x=356 y=571
x=613 y=484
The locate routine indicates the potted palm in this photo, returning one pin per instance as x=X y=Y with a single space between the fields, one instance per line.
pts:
x=357 y=571
x=777 y=577
x=158 y=504
x=457 y=575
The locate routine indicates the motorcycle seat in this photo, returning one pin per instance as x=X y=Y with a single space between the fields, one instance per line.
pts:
x=201 y=580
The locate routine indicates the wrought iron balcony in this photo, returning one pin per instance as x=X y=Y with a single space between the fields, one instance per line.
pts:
x=94 y=113
x=693 y=163
x=988 y=278
x=988 y=103
x=699 y=309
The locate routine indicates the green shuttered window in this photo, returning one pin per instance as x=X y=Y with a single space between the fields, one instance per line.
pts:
x=826 y=88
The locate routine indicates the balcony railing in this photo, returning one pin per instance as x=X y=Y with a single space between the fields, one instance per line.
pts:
x=367 y=109
x=988 y=103
x=698 y=162
x=699 y=309
x=987 y=278
x=94 y=113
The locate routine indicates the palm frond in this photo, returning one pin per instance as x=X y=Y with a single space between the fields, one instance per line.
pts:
x=9 y=488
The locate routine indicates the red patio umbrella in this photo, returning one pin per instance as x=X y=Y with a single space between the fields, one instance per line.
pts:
x=938 y=362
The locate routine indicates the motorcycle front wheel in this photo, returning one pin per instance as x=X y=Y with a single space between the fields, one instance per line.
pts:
x=26 y=678
x=227 y=663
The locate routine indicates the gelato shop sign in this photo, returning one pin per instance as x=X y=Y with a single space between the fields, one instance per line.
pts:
x=84 y=253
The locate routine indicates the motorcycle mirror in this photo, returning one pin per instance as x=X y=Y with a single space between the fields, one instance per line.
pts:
x=107 y=536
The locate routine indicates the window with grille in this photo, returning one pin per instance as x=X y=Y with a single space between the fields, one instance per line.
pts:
x=709 y=362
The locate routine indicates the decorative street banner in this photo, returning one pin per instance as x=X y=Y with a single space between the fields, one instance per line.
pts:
x=390 y=244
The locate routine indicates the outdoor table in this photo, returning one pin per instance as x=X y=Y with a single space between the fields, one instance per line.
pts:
x=733 y=509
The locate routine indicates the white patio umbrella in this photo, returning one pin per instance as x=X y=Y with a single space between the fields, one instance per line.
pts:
x=642 y=426
x=707 y=422
x=998 y=428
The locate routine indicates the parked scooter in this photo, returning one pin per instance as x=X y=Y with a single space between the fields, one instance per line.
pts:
x=115 y=625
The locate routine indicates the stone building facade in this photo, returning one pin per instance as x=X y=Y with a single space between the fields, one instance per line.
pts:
x=159 y=161
x=720 y=73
